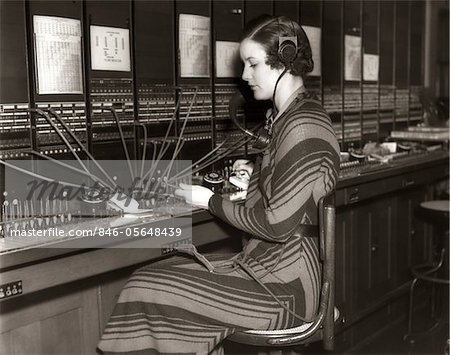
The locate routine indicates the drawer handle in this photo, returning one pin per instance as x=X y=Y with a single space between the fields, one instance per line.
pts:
x=374 y=248
x=407 y=183
x=353 y=198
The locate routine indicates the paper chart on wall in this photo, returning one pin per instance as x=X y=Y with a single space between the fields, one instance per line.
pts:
x=314 y=36
x=371 y=66
x=58 y=56
x=227 y=59
x=194 y=46
x=110 y=48
x=352 y=57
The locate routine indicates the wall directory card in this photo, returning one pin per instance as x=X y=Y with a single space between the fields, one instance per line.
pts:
x=58 y=57
x=314 y=35
x=227 y=59
x=194 y=42
x=352 y=57
x=110 y=48
x=371 y=65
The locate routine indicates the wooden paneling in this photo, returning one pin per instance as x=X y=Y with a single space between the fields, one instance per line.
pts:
x=417 y=34
x=370 y=26
x=13 y=53
x=287 y=8
x=311 y=12
x=228 y=20
x=56 y=321
x=332 y=43
x=372 y=251
x=401 y=43
x=154 y=42
x=256 y=8
x=386 y=42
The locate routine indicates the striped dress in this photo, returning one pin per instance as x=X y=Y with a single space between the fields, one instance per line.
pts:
x=179 y=306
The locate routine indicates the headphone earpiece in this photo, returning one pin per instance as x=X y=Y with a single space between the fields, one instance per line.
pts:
x=287 y=50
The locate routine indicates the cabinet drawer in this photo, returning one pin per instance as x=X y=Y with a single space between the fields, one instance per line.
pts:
x=371 y=189
x=368 y=190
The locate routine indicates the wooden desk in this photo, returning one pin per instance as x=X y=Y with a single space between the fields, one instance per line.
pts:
x=69 y=294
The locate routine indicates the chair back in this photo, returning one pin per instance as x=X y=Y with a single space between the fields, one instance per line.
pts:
x=327 y=223
x=322 y=328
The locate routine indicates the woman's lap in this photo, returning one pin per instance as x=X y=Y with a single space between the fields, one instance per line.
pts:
x=178 y=305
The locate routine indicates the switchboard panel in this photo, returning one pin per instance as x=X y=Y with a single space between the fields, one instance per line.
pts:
x=15 y=125
x=156 y=96
x=194 y=42
x=165 y=71
x=370 y=79
x=229 y=21
x=57 y=91
x=111 y=90
x=332 y=63
x=311 y=21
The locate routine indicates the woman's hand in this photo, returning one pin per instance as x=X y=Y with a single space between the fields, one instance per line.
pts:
x=243 y=166
x=195 y=195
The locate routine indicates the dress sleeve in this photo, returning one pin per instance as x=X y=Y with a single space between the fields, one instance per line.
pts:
x=253 y=190
x=304 y=164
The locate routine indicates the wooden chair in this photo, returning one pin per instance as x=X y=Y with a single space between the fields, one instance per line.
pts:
x=322 y=328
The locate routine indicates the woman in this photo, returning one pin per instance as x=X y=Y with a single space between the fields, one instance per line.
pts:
x=189 y=305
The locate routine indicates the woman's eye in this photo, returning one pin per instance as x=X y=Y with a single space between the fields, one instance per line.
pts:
x=252 y=65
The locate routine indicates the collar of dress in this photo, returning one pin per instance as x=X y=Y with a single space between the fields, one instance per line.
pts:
x=271 y=118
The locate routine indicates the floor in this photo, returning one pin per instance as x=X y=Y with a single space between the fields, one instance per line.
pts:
x=391 y=341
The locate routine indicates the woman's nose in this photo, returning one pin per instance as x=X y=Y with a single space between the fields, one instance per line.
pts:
x=245 y=74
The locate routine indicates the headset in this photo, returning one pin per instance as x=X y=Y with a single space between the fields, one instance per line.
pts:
x=287 y=50
x=287 y=53
x=287 y=47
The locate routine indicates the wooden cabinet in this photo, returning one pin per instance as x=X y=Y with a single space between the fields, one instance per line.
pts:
x=378 y=238
x=411 y=242
x=61 y=320
x=371 y=251
x=69 y=295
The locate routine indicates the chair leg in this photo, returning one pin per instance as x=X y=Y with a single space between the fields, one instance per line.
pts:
x=410 y=310
x=433 y=298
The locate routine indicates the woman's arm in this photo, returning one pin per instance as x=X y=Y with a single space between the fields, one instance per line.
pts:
x=253 y=191
x=306 y=160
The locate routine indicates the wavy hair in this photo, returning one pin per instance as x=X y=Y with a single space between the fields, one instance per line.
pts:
x=266 y=31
